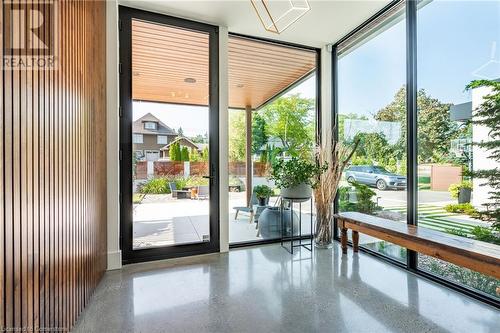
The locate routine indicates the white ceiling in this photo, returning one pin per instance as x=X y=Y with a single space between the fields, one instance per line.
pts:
x=325 y=23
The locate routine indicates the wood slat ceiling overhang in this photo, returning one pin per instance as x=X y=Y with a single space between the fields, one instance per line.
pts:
x=163 y=57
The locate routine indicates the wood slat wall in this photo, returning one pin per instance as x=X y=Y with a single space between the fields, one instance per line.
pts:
x=53 y=172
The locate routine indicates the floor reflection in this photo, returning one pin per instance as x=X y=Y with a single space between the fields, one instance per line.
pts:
x=265 y=289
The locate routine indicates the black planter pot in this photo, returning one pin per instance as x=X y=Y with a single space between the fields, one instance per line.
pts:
x=464 y=195
x=262 y=201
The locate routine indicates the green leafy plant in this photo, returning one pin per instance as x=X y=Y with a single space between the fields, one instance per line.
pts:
x=196 y=181
x=157 y=185
x=363 y=202
x=454 y=189
x=295 y=171
x=463 y=208
x=486 y=235
x=263 y=191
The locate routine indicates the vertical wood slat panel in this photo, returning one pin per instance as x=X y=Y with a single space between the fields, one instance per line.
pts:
x=52 y=173
x=2 y=217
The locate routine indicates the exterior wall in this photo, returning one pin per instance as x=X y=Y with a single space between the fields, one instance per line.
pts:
x=150 y=143
x=442 y=176
x=480 y=156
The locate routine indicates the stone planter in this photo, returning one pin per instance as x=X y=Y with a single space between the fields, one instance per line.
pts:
x=301 y=192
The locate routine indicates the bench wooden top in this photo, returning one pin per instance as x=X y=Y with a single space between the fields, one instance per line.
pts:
x=466 y=246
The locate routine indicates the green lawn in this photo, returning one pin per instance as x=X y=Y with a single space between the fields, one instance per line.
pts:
x=434 y=217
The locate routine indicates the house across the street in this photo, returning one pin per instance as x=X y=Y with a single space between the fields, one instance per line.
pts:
x=149 y=136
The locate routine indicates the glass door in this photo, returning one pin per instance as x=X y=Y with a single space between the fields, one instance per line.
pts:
x=168 y=136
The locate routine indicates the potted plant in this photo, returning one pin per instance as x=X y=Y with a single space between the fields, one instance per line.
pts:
x=295 y=177
x=335 y=156
x=461 y=191
x=262 y=192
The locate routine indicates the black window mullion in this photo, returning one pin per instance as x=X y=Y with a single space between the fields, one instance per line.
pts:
x=411 y=122
x=335 y=124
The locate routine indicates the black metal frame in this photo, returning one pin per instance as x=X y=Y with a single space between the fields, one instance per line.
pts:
x=318 y=113
x=292 y=238
x=129 y=255
x=411 y=7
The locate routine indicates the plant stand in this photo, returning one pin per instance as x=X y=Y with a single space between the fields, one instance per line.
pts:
x=299 y=240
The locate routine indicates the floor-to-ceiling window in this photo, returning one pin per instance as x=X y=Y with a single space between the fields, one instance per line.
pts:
x=372 y=109
x=272 y=115
x=449 y=49
x=458 y=43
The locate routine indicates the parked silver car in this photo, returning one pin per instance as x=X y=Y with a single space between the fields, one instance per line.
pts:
x=375 y=176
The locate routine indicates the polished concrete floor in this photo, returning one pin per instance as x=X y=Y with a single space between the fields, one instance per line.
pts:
x=265 y=289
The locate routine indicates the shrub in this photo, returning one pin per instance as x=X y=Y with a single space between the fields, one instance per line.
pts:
x=455 y=188
x=196 y=181
x=364 y=202
x=464 y=208
x=155 y=186
x=486 y=235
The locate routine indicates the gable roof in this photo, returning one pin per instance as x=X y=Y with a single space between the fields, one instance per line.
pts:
x=183 y=141
x=162 y=129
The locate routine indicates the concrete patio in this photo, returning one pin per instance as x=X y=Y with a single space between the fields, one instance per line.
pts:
x=160 y=220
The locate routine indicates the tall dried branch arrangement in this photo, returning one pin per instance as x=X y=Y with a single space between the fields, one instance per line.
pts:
x=335 y=156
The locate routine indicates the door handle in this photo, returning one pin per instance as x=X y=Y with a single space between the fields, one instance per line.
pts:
x=209 y=177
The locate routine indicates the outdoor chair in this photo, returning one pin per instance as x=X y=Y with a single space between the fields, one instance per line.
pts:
x=248 y=209
x=179 y=194
x=202 y=192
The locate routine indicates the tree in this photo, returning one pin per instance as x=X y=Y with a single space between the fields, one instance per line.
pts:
x=172 y=152
x=236 y=135
x=200 y=138
x=180 y=132
x=205 y=155
x=435 y=129
x=291 y=120
x=194 y=155
x=184 y=154
x=488 y=115
x=259 y=135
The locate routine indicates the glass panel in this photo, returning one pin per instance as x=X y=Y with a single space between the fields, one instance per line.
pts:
x=170 y=146
x=372 y=109
x=457 y=43
x=272 y=92
x=295 y=109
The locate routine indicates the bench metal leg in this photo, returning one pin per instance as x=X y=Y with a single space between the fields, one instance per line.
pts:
x=343 y=239
x=355 y=241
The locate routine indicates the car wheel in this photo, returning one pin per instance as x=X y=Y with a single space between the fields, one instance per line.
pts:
x=351 y=179
x=381 y=184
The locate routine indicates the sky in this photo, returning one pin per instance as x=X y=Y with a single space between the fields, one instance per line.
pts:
x=458 y=41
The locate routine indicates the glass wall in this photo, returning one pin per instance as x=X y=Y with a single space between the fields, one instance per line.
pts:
x=458 y=89
x=372 y=109
x=285 y=127
x=272 y=116
x=458 y=43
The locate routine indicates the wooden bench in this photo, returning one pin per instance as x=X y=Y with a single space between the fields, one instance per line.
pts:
x=478 y=256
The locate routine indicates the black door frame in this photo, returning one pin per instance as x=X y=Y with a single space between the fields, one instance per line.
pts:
x=126 y=15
